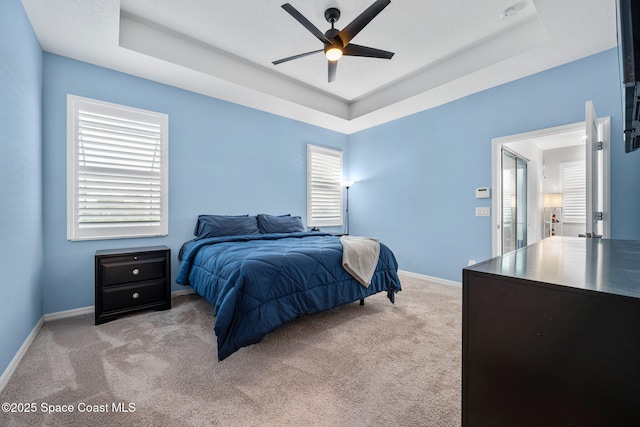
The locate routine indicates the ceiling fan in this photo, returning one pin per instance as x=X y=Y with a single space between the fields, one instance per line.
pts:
x=336 y=43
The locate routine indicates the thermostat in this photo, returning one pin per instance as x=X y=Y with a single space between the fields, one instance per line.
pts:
x=483 y=193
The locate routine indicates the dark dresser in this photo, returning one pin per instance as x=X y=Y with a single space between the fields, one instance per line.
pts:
x=130 y=280
x=551 y=335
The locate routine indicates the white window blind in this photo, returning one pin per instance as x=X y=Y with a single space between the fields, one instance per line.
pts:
x=117 y=171
x=574 y=188
x=324 y=186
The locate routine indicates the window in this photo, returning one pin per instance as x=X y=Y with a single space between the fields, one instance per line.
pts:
x=324 y=187
x=574 y=189
x=117 y=171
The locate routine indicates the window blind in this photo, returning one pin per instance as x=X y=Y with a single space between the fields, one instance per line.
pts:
x=574 y=201
x=508 y=195
x=324 y=186
x=119 y=172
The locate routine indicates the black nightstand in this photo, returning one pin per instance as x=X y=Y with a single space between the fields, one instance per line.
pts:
x=130 y=280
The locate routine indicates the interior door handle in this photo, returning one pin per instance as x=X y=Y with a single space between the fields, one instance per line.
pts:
x=591 y=236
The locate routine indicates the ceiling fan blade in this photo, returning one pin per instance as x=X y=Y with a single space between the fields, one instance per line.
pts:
x=301 y=55
x=362 y=20
x=306 y=23
x=370 y=52
x=333 y=67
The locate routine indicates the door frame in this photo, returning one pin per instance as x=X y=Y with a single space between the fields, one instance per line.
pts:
x=534 y=196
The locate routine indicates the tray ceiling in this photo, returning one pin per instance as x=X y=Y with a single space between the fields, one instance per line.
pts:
x=444 y=49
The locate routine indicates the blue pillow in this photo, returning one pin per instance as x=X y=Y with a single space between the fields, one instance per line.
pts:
x=279 y=224
x=203 y=218
x=225 y=225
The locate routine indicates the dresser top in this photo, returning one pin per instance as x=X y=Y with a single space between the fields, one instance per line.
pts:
x=601 y=265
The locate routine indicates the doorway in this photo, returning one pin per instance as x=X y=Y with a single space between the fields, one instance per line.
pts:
x=528 y=146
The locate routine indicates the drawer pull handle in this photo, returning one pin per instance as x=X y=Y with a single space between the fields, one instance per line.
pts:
x=135 y=271
x=135 y=295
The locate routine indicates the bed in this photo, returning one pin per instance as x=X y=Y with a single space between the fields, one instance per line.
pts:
x=258 y=278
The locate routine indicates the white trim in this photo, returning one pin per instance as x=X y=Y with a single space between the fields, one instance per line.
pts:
x=8 y=373
x=68 y=313
x=431 y=278
x=496 y=146
x=324 y=187
x=99 y=174
x=604 y=124
x=604 y=130
x=91 y=309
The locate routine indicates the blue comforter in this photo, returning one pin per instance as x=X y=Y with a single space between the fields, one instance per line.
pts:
x=257 y=283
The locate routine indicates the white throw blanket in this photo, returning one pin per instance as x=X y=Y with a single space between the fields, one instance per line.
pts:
x=360 y=257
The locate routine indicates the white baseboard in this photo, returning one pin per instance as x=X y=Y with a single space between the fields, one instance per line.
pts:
x=431 y=278
x=6 y=375
x=90 y=309
x=68 y=313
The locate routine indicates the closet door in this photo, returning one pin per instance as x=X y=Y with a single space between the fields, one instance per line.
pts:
x=514 y=201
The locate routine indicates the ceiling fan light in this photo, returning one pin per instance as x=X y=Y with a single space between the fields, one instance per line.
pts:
x=333 y=53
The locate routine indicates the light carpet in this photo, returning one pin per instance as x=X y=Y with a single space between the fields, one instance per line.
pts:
x=374 y=365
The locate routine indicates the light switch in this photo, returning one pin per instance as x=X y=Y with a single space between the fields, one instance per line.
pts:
x=483 y=211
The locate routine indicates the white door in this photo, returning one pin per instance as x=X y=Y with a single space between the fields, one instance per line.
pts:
x=597 y=151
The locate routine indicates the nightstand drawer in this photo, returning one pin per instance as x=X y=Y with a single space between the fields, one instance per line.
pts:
x=134 y=295
x=132 y=269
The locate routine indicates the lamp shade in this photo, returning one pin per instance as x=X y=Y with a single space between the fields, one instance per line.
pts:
x=553 y=200
x=347 y=184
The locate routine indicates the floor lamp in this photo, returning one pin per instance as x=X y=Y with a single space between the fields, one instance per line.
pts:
x=346 y=185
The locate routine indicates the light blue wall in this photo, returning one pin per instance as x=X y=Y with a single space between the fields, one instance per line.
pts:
x=223 y=159
x=416 y=176
x=20 y=180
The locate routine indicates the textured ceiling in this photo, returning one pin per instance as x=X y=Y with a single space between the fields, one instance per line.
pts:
x=444 y=49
